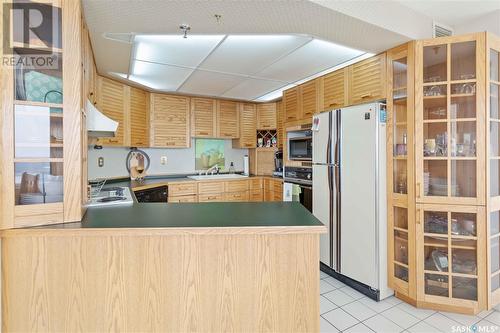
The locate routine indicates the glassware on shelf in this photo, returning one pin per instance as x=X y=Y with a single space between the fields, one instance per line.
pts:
x=436 y=284
x=436 y=222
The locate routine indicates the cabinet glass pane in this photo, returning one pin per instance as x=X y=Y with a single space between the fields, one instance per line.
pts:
x=435 y=178
x=494 y=138
x=495 y=254
x=463 y=105
x=463 y=178
x=463 y=224
x=401 y=272
x=463 y=138
x=400 y=139
x=463 y=261
x=38 y=182
x=399 y=69
x=38 y=131
x=464 y=288
x=400 y=178
x=436 y=222
x=401 y=218
x=494 y=93
x=436 y=257
x=435 y=63
x=42 y=84
x=463 y=61
x=435 y=139
x=436 y=285
x=494 y=66
x=494 y=223
x=494 y=178
x=401 y=247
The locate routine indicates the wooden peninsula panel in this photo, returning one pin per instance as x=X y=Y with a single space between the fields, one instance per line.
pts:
x=96 y=280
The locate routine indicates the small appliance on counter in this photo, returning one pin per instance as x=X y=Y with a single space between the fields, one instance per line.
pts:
x=298 y=186
x=278 y=163
x=111 y=196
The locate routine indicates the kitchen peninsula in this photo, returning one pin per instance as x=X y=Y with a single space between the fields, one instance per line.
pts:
x=166 y=267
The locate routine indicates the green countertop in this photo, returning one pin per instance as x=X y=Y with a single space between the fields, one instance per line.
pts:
x=200 y=215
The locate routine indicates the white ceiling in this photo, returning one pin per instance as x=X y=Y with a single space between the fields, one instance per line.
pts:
x=235 y=66
x=453 y=13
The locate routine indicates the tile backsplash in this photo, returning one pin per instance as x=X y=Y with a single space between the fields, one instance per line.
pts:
x=179 y=161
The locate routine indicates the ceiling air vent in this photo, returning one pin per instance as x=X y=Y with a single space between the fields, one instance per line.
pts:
x=441 y=30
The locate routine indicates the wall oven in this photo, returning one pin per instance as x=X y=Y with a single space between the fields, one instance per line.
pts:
x=300 y=145
x=298 y=186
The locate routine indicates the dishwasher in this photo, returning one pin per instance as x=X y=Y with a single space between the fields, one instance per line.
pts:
x=157 y=194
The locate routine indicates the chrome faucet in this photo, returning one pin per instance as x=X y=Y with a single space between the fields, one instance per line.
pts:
x=212 y=169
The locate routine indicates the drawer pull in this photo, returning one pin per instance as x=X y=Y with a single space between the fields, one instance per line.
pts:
x=203 y=133
x=366 y=95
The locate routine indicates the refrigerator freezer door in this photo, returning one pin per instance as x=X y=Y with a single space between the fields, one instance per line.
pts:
x=324 y=209
x=358 y=174
x=323 y=135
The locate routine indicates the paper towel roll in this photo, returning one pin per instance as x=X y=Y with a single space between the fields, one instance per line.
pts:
x=246 y=166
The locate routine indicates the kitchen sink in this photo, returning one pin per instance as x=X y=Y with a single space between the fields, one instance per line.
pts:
x=223 y=176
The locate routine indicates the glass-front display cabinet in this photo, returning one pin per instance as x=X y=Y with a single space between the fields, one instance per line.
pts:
x=400 y=164
x=37 y=113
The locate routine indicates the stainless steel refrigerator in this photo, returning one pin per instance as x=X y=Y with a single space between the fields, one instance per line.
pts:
x=349 y=194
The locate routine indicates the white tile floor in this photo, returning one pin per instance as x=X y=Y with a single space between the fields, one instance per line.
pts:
x=343 y=309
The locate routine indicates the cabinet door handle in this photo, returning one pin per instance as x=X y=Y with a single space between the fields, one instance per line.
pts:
x=418 y=190
x=366 y=95
x=203 y=133
x=417 y=217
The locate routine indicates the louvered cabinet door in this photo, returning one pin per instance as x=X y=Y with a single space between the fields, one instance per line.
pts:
x=367 y=80
x=111 y=102
x=291 y=104
x=170 y=121
x=266 y=116
x=279 y=123
x=203 y=119
x=228 y=120
x=334 y=89
x=248 y=126
x=139 y=120
x=309 y=100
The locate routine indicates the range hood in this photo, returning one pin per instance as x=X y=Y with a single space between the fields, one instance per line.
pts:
x=98 y=125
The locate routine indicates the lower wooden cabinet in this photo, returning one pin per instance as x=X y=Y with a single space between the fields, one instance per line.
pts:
x=236 y=196
x=256 y=195
x=182 y=188
x=273 y=189
x=213 y=197
x=183 y=198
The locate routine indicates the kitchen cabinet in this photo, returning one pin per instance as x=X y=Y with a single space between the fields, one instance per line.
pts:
x=89 y=68
x=266 y=116
x=273 y=189
x=335 y=88
x=228 y=120
x=308 y=102
x=367 y=80
x=248 y=126
x=203 y=117
x=280 y=129
x=111 y=101
x=169 y=121
x=184 y=198
x=443 y=192
x=182 y=192
x=291 y=104
x=42 y=166
x=139 y=117
x=262 y=161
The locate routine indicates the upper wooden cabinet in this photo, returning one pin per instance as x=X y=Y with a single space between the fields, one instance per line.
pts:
x=291 y=104
x=139 y=118
x=170 y=121
x=128 y=106
x=111 y=102
x=203 y=117
x=335 y=89
x=367 y=80
x=89 y=68
x=266 y=116
x=308 y=102
x=279 y=123
x=228 y=119
x=248 y=126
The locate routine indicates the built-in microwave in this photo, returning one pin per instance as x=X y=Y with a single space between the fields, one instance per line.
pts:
x=300 y=145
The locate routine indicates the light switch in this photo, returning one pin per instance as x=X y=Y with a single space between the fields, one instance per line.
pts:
x=100 y=162
x=163 y=160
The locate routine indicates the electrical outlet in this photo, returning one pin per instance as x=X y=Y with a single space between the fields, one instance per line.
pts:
x=163 y=160
x=100 y=162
